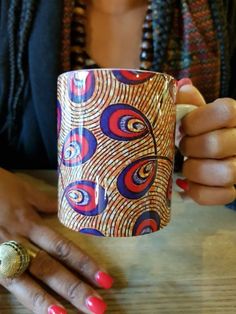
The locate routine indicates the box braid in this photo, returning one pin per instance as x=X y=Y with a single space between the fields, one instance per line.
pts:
x=20 y=18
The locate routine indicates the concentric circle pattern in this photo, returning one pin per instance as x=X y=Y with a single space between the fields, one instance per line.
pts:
x=116 y=150
x=123 y=122
x=136 y=179
x=86 y=197
x=80 y=145
x=148 y=222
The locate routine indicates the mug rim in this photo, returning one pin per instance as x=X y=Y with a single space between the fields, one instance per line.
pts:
x=116 y=69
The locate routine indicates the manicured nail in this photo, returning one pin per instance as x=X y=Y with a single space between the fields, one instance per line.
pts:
x=183 y=184
x=104 y=280
x=184 y=81
x=96 y=305
x=56 y=309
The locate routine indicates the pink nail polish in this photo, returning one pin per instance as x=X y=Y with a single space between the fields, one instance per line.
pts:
x=56 y=309
x=184 y=81
x=96 y=305
x=183 y=184
x=104 y=280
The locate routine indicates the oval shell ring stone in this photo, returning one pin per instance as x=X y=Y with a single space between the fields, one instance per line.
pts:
x=14 y=259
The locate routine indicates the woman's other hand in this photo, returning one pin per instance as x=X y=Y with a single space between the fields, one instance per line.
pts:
x=58 y=261
x=209 y=143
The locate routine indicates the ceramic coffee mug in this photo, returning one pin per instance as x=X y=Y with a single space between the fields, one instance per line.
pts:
x=115 y=150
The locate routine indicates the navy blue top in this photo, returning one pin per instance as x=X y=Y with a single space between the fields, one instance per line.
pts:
x=36 y=146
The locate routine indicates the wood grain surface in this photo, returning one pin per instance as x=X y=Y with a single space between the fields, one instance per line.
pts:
x=188 y=267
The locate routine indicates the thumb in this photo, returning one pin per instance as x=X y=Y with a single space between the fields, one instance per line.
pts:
x=43 y=198
x=189 y=94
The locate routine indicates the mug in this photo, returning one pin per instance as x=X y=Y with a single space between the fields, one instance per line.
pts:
x=116 y=130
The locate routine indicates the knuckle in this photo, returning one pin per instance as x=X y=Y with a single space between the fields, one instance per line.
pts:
x=62 y=248
x=27 y=219
x=211 y=145
x=84 y=263
x=226 y=110
x=75 y=289
x=38 y=299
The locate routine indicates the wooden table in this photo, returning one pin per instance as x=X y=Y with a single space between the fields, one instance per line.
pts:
x=188 y=267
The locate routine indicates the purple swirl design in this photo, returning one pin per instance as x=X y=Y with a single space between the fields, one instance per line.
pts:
x=79 y=146
x=86 y=197
x=136 y=179
x=123 y=122
x=147 y=223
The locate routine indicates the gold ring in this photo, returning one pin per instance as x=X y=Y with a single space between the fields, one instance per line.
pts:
x=15 y=258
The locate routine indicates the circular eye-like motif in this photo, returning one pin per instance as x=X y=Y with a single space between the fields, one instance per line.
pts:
x=86 y=197
x=132 y=77
x=92 y=231
x=148 y=222
x=136 y=179
x=58 y=117
x=81 y=86
x=80 y=145
x=123 y=122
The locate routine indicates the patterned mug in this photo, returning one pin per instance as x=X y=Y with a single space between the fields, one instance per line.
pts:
x=115 y=150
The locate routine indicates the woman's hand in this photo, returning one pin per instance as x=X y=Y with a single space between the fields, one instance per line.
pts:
x=209 y=143
x=58 y=260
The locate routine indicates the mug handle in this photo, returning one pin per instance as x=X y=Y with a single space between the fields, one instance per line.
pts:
x=181 y=111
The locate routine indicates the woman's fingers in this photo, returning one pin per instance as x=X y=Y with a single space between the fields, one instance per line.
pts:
x=210 y=195
x=24 y=287
x=209 y=181
x=217 y=115
x=67 y=252
x=30 y=294
x=211 y=172
x=53 y=274
x=216 y=144
x=189 y=94
x=64 y=283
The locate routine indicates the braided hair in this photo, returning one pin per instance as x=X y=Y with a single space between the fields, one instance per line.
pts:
x=20 y=19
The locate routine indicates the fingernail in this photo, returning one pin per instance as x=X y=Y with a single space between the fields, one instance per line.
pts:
x=56 y=309
x=183 y=184
x=184 y=81
x=96 y=305
x=104 y=280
